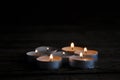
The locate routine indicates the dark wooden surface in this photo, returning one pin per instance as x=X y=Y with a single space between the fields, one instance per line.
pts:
x=14 y=45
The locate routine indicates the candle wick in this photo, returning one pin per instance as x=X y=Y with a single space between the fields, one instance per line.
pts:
x=81 y=57
x=72 y=48
x=51 y=60
x=85 y=52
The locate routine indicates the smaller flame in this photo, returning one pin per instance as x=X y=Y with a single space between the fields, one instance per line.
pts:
x=63 y=53
x=36 y=51
x=81 y=54
x=47 y=48
x=51 y=57
x=85 y=50
x=72 y=45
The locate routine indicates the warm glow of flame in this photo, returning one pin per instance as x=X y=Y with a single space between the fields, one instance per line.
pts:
x=85 y=49
x=81 y=54
x=36 y=51
x=51 y=57
x=63 y=52
x=47 y=48
x=72 y=45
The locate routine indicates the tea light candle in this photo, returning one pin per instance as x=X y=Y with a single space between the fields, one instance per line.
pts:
x=32 y=55
x=45 y=50
x=49 y=62
x=71 y=48
x=65 y=57
x=89 y=53
x=81 y=62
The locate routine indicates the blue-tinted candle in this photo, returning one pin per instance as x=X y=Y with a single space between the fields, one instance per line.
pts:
x=65 y=57
x=31 y=56
x=45 y=50
x=88 y=53
x=81 y=62
x=49 y=62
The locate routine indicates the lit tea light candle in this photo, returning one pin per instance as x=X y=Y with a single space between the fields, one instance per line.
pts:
x=71 y=48
x=65 y=57
x=31 y=56
x=49 y=62
x=89 y=53
x=81 y=62
x=45 y=50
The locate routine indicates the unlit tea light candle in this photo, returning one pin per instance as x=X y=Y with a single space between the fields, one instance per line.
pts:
x=71 y=48
x=81 y=62
x=89 y=53
x=65 y=56
x=49 y=62
x=45 y=50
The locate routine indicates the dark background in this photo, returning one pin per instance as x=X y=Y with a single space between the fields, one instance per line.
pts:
x=66 y=18
x=24 y=28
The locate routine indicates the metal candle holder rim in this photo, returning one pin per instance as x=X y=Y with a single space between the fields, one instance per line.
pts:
x=94 y=52
x=31 y=53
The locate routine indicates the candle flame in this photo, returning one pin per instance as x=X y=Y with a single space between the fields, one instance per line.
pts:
x=81 y=54
x=36 y=51
x=85 y=49
x=47 y=48
x=63 y=52
x=51 y=57
x=72 y=45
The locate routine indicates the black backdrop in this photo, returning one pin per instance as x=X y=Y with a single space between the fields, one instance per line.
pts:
x=35 y=17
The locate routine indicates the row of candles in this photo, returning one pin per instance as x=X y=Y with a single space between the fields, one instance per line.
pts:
x=74 y=56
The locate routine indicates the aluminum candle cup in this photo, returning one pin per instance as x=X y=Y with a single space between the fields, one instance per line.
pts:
x=45 y=50
x=65 y=57
x=89 y=53
x=44 y=62
x=31 y=56
x=82 y=63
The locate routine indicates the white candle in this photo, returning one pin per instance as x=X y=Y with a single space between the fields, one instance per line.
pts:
x=49 y=62
x=71 y=48
x=88 y=53
x=45 y=50
x=31 y=56
x=81 y=62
